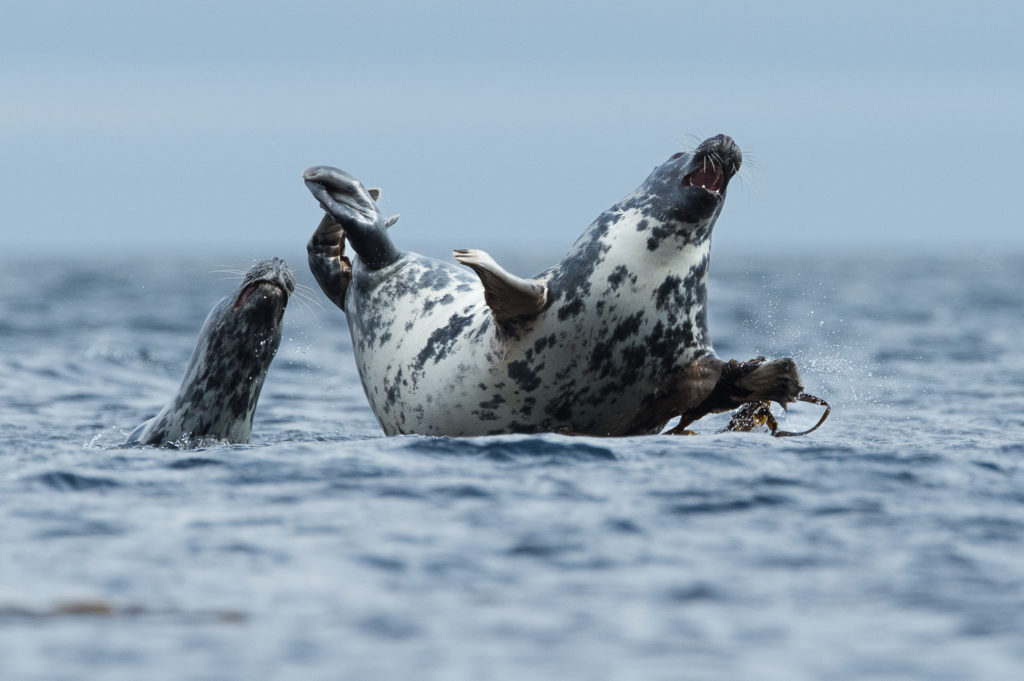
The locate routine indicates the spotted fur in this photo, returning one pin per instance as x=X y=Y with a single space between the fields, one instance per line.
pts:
x=218 y=395
x=620 y=346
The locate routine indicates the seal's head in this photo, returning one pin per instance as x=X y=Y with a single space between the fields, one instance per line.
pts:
x=240 y=338
x=263 y=294
x=690 y=187
x=218 y=395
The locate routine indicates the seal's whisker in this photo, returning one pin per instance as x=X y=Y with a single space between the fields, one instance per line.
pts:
x=306 y=298
x=690 y=142
x=304 y=303
x=749 y=174
x=237 y=270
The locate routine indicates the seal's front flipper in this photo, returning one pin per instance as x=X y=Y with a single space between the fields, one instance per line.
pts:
x=327 y=261
x=353 y=207
x=507 y=295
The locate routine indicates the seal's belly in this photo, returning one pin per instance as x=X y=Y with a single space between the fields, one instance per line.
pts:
x=423 y=341
x=433 y=363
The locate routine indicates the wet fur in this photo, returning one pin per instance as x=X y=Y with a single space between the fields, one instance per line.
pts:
x=221 y=387
x=617 y=344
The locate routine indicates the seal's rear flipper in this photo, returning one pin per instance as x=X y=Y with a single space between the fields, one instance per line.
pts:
x=354 y=208
x=507 y=295
x=740 y=383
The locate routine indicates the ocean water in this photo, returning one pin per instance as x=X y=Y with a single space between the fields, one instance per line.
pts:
x=889 y=544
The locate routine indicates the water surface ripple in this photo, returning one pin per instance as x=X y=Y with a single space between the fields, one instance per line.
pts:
x=887 y=545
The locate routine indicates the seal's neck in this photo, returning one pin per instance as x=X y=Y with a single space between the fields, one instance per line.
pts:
x=631 y=266
x=222 y=383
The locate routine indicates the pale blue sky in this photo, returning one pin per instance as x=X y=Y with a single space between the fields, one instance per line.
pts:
x=126 y=125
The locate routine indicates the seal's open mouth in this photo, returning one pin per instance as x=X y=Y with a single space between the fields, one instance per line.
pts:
x=709 y=176
x=248 y=292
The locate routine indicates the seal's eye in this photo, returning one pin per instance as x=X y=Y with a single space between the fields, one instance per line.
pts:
x=675 y=156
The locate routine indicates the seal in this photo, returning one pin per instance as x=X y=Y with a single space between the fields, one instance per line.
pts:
x=611 y=341
x=218 y=395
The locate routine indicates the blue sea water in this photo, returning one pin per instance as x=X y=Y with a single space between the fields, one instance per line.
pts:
x=886 y=545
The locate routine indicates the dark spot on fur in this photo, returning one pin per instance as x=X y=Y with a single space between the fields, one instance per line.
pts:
x=524 y=376
x=541 y=343
x=442 y=340
x=435 y=279
x=603 y=358
x=658 y=234
x=493 y=403
x=665 y=343
x=561 y=410
x=570 y=309
x=393 y=391
x=668 y=294
x=571 y=281
x=617 y=276
x=430 y=303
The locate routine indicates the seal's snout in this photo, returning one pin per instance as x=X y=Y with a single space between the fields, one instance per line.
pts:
x=725 y=151
x=715 y=162
x=266 y=286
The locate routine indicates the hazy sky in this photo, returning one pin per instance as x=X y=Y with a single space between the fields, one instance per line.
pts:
x=505 y=126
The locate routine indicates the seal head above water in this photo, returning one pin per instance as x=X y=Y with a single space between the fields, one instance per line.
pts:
x=611 y=341
x=218 y=395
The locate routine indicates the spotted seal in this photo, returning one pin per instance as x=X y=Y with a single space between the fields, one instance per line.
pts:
x=611 y=341
x=222 y=383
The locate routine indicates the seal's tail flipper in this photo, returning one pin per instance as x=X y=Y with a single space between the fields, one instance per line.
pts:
x=354 y=208
x=742 y=384
x=507 y=295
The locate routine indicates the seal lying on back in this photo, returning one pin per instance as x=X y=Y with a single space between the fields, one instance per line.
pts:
x=222 y=382
x=611 y=341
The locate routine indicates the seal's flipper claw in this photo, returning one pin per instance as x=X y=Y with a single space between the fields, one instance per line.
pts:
x=392 y=220
x=327 y=261
x=508 y=296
